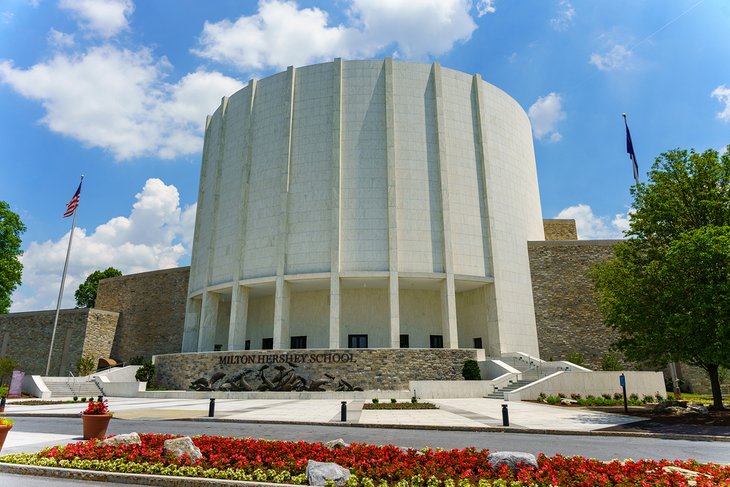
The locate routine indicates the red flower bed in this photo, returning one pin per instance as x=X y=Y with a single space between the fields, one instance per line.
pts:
x=393 y=464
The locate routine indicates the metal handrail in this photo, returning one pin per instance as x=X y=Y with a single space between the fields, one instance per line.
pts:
x=71 y=383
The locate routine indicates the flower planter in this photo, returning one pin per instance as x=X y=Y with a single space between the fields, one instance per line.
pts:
x=4 y=428
x=95 y=425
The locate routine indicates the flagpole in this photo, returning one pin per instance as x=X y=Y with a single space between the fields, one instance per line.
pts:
x=60 y=292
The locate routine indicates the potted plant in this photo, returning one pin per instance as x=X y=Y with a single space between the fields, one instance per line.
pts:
x=5 y=425
x=95 y=419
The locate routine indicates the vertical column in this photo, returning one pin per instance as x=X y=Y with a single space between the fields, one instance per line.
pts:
x=281 y=314
x=281 y=320
x=206 y=339
x=493 y=345
x=392 y=207
x=334 y=328
x=239 y=297
x=448 y=289
x=192 y=325
x=239 y=318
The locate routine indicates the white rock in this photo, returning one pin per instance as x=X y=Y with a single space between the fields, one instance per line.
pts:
x=515 y=460
x=318 y=473
x=338 y=443
x=567 y=401
x=125 y=439
x=181 y=446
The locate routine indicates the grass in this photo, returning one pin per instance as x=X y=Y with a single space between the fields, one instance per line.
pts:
x=400 y=405
x=695 y=398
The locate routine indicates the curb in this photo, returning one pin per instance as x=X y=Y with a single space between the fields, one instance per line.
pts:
x=486 y=429
x=117 y=478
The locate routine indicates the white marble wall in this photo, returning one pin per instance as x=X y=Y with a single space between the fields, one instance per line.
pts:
x=368 y=172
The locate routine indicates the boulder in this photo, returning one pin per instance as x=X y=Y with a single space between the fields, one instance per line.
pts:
x=690 y=475
x=515 y=460
x=338 y=443
x=181 y=446
x=698 y=408
x=567 y=402
x=318 y=473
x=125 y=439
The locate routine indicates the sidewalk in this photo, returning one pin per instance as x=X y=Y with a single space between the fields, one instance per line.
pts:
x=467 y=414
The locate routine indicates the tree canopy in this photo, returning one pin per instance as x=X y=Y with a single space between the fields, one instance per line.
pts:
x=11 y=269
x=86 y=293
x=667 y=289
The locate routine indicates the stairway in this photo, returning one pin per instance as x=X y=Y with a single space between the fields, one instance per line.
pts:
x=499 y=393
x=64 y=387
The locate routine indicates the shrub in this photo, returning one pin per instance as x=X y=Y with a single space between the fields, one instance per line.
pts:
x=85 y=365
x=137 y=360
x=647 y=399
x=553 y=399
x=414 y=400
x=83 y=399
x=7 y=365
x=659 y=397
x=393 y=401
x=561 y=395
x=146 y=372
x=575 y=358
x=618 y=396
x=376 y=400
x=606 y=395
x=541 y=397
x=76 y=398
x=575 y=396
x=590 y=397
x=633 y=396
x=610 y=361
x=470 y=371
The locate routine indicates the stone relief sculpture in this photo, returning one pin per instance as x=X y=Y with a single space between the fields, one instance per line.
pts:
x=285 y=378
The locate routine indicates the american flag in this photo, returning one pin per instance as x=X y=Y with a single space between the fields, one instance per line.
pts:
x=74 y=203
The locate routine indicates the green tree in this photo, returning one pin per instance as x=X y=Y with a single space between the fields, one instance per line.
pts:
x=86 y=293
x=667 y=289
x=11 y=270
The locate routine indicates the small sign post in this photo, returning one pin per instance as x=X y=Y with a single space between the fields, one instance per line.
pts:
x=622 y=381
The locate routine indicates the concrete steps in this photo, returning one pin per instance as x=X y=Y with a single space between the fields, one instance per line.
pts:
x=499 y=393
x=63 y=387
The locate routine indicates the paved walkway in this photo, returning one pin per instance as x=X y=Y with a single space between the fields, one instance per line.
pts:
x=452 y=413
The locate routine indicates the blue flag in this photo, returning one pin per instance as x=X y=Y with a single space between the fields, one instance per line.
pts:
x=630 y=151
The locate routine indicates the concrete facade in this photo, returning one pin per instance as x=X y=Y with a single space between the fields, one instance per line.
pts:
x=365 y=198
x=26 y=338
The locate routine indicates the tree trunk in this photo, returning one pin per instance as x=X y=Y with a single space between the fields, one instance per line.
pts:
x=712 y=371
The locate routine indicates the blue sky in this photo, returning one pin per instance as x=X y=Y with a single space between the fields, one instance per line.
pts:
x=118 y=90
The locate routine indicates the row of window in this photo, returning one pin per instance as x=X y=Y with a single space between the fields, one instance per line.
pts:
x=353 y=341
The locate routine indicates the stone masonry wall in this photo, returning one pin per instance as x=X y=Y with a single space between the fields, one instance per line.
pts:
x=369 y=369
x=560 y=229
x=566 y=311
x=26 y=338
x=151 y=308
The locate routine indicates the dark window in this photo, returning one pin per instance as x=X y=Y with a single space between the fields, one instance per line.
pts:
x=437 y=341
x=247 y=345
x=357 y=341
x=217 y=347
x=404 y=341
x=478 y=342
x=267 y=344
x=299 y=342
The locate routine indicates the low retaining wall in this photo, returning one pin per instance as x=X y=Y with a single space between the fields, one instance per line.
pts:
x=311 y=369
x=591 y=383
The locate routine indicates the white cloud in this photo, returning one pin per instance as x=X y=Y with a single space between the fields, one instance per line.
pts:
x=103 y=17
x=282 y=34
x=545 y=114
x=116 y=99
x=485 y=7
x=722 y=93
x=156 y=235
x=564 y=16
x=591 y=226
x=616 y=58
x=60 y=39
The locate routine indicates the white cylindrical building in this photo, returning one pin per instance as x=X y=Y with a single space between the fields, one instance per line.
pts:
x=377 y=204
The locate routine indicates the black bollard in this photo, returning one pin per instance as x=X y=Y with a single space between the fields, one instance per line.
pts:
x=343 y=411
x=505 y=415
x=211 y=407
x=2 y=404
